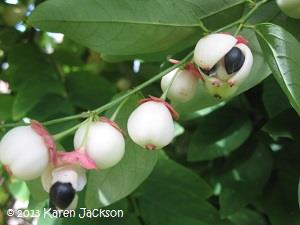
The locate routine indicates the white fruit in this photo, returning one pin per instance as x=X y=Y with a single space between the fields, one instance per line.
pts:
x=73 y=174
x=183 y=87
x=211 y=56
x=66 y=174
x=211 y=48
x=290 y=7
x=105 y=144
x=24 y=152
x=151 y=125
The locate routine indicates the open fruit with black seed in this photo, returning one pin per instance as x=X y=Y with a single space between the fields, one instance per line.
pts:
x=224 y=62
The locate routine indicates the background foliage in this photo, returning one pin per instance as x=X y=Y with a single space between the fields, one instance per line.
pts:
x=235 y=162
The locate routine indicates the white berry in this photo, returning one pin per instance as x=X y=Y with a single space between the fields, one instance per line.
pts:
x=183 y=87
x=224 y=61
x=24 y=152
x=105 y=144
x=151 y=125
x=211 y=48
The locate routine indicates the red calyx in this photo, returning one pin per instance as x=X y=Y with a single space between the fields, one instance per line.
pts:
x=112 y=123
x=150 y=147
x=190 y=67
x=75 y=157
x=241 y=40
x=47 y=138
x=61 y=158
x=174 y=114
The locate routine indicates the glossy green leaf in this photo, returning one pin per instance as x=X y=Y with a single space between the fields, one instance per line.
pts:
x=108 y=186
x=285 y=125
x=171 y=189
x=219 y=134
x=274 y=99
x=129 y=27
x=282 y=52
x=245 y=181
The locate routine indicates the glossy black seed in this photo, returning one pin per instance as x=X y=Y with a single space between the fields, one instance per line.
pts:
x=209 y=72
x=62 y=194
x=234 y=60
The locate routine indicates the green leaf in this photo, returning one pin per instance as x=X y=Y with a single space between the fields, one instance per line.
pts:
x=31 y=75
x=299 y=193
x=37 y=191
x=129 y=27
x=108 y=186
x=19 y=190
x=219 y=134
x=274 y=99
x=8 y=38
x=27 y=62
x=31 y=93
x=51 y=106
x=247 y=217
x=245 y=182
x=282 y=52
x=6 y=102
x=277 y=208
x=171 y=189
x=284 y=125
x=88 y=91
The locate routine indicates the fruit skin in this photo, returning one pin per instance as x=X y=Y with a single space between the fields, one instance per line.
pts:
x=183 y=87
x=151 y=125
x=24 y=152
x=290 y=7
x=219 y=83
x=105 y=144
x=211 y=48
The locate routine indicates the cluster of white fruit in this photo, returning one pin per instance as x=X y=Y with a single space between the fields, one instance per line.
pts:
x=28 y=152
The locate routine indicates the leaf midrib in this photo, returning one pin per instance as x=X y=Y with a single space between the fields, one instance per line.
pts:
x=278 y=66
x=144 y=22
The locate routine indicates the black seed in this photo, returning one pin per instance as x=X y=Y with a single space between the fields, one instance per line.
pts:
x=234 y=60
x=209 y=72
x=62 y=194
